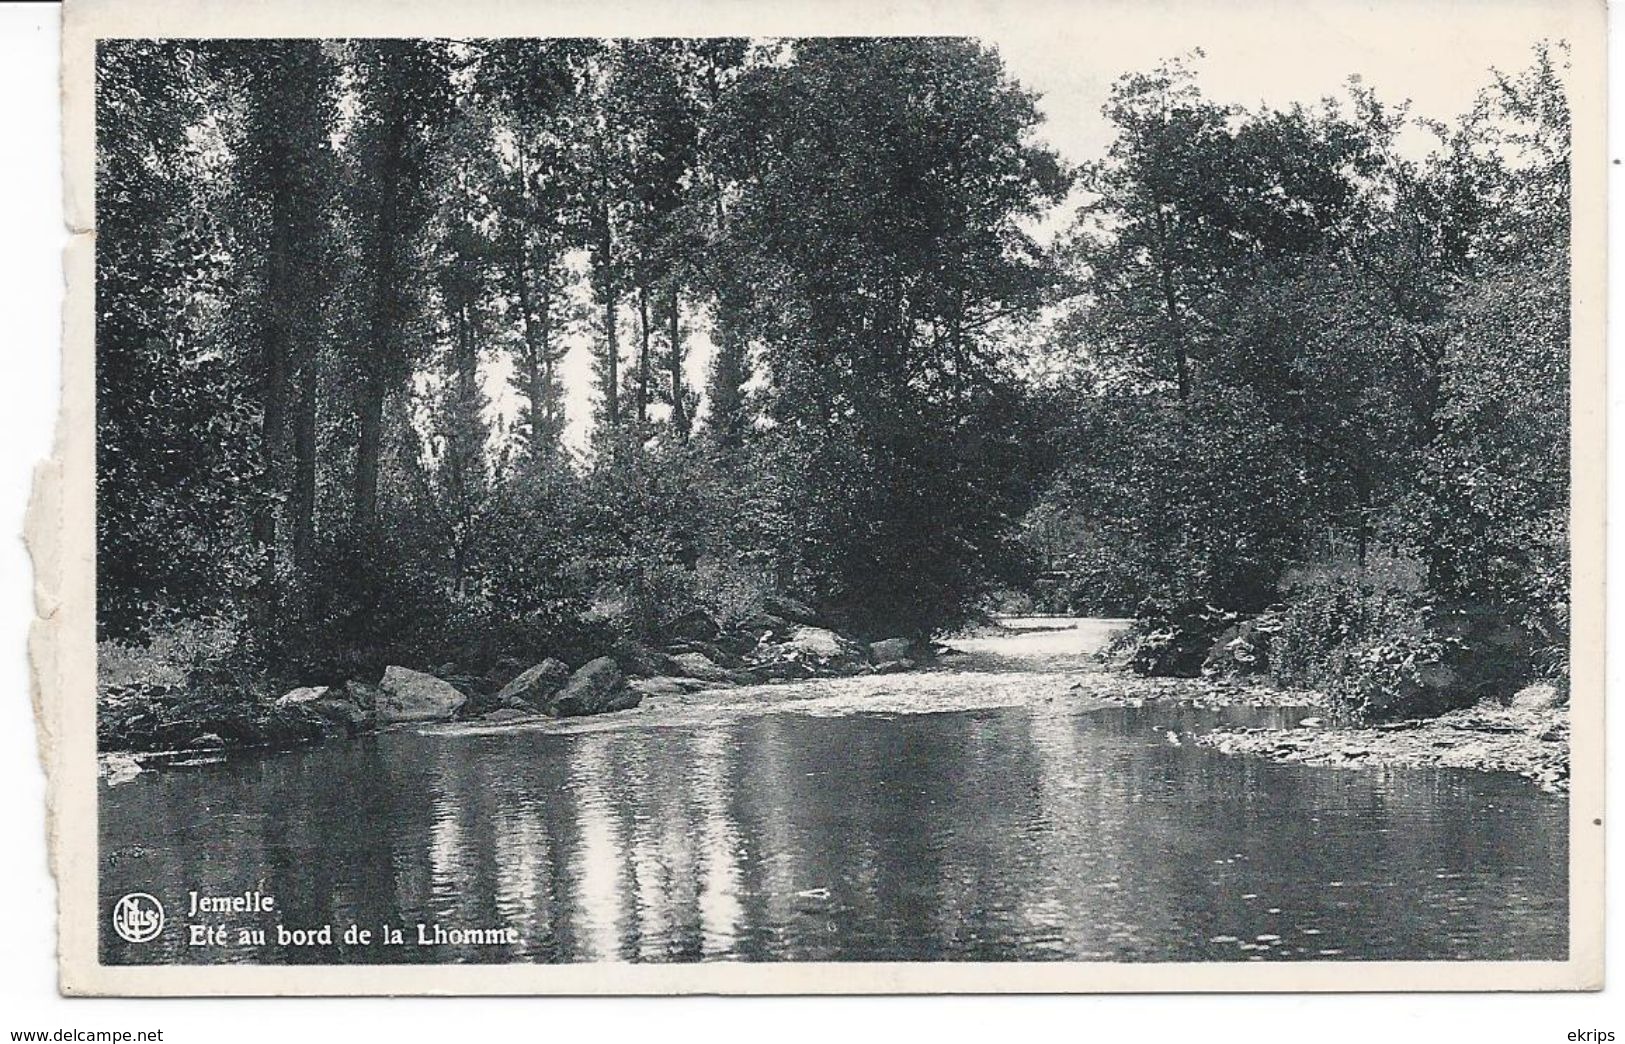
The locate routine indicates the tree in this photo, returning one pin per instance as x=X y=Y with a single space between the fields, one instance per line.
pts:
x=880 y=185
x=728 y=418
x=1495 y=492
x=467 y=277
x=1235 y=315
x=600 y=154
x=286 y=173
x=176 y=422
x=403 y=91
x=532 y=88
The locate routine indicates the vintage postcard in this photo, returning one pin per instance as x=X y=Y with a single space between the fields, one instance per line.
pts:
x=824 y=497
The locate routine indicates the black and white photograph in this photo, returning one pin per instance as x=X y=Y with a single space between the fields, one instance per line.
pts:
x=1098 y=494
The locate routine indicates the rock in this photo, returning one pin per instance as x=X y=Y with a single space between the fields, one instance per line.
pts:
x=790 y=609
x=664 y=686
x=894 y=666
x=408 y=695
x=1485 y=648
x=889 y=650
x=1242 y=648
x=597 y=688
x=640 y=661
x=503 y=671
x=764 y=623
x=736 y=645
x=286 y=727
x=807 y=651
x=1438 y=677
x=698 y=665
x=819 y=643
x=200 y=678
x=299 y=696
x=333 y=708
x=694 y=625
x=468 y=684
x=362 y=694
x=502 y=714
x=1434 y=689
x=1175 y=643
x=710 y=650
x=1541 y=696
x=778 y=670
x=536 y=685
x=118 y=769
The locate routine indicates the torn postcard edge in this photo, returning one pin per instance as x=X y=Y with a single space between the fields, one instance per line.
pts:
x=62 y=532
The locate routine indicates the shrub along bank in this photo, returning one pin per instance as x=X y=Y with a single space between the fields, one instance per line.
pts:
x=1371 y=639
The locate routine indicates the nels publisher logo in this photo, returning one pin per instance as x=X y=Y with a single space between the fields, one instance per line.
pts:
x=138 y=917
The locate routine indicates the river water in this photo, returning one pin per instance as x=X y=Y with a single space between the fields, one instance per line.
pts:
x=971 y=813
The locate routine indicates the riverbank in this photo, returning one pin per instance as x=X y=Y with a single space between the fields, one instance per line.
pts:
x=157 y=718
x=1051 y=665
x=748 y=819
x=1526 y=735
x=1489 y=737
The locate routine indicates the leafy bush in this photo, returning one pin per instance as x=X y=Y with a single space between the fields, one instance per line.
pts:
x=1173 y=641
x=1366 y=637
x=381 y=601
x=528 y=562
x=1243 y=649
x=730 y=590
x=1045 y=600
x=172 y=653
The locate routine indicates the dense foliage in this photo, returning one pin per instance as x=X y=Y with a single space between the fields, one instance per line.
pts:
x=340 y=280
x=1300 y=351
x=1288 y=356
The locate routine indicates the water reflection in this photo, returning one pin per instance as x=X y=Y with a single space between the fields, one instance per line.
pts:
x=719 y=909
x=1010 y=833
x=596 y=865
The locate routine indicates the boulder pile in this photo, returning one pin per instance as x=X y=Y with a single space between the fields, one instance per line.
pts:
x=784 y=640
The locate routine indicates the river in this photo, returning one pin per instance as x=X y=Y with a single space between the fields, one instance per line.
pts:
x=968 y=813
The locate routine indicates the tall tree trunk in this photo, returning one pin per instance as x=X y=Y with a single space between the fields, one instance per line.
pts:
x=612 y=369
x=274 y=402
x=1440 y=563
x=529 y=360
x=466 y=450
x=382 y=343
x=679 y=410
x=1170 y=300
x=727 y=418
x=272 y=437
x=643 y=355
x=304 y=454
x=370 y=402
x=611 y=304
x=536 y=366
x=543 y=425
x=369 y=444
